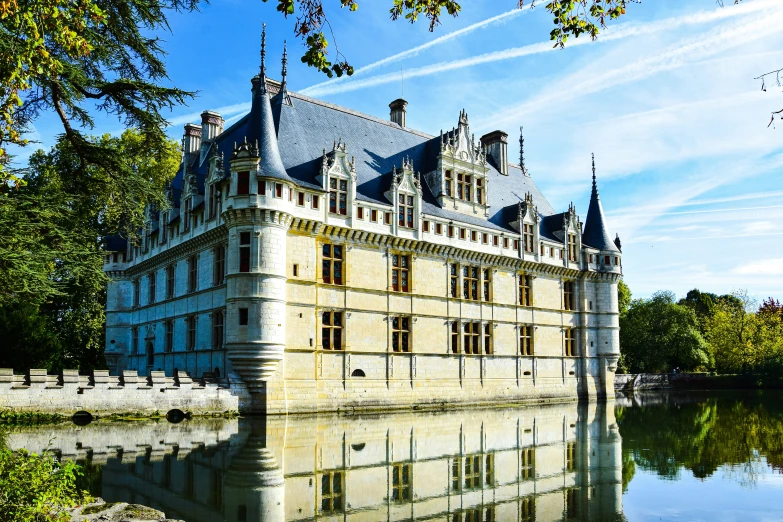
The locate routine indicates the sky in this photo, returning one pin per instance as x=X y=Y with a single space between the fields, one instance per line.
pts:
x=688 y=171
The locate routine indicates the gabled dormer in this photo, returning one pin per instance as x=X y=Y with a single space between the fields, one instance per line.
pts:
x=572 y=237
x=190 y=197
x=405 y=195
x=243 y=167
x=460 y=181
x=214 y=184
x=527 y=225
x=338 y=178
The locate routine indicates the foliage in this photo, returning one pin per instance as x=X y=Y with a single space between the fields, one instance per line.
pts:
x=657 y=335
x=37 y=488
x=624 y=297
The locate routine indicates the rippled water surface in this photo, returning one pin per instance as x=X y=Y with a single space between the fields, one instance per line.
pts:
x=706 y=456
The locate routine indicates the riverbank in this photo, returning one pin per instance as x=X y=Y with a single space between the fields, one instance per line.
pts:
x=694 y=381
x=117 y=512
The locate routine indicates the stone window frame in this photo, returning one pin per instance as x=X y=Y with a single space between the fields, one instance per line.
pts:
x=527 y=343
x=338 y=194
x=218 y=265
x=528 y=237
x=191 y=332
x=406 y=211
x=527 y=463
x=486 y=285
x=472 y=337
x=332 y=334
x=168 y=336
x=471 y=276
x=218 y=330
x=333 y=262
x=171 y=281
x=401 y=279
x=455 y=337
x=152 y=286
x=573 y=254
x=448 y=183
x=464 y=187
x=245 y=257
x=570 y=456
x=569 y=295
x=193 y=273
x=243 y=183
x=569 y=342
x=332 y=501
x=472 y=472
x=213 y=199
x=439 y=229
x=134 y=349
x=487 y=339
x=527 y=509
x=402 y=482
x=136 y=293
x=525 y=289
x=401 y=330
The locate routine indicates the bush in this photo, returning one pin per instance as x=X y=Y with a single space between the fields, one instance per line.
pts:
x=37 y=488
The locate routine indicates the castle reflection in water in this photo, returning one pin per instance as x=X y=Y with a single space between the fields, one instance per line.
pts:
x=558 y=462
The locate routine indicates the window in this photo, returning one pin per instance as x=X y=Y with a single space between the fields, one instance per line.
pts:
x=616 y=261
x=571 y=456
x=571 y=503
x=473 y=235
x=332 y=266
x=525 y=294
x=479 y=191
x=192 y=273
x=290 y=194
x=516 y=245
x=190 y=340
x=219 y=265
x=243 y=183
x=568 y=295
x=295 y=270
x=360 y=212
x=488 y=339
x=527 y=235
x=472 y=472
x=150 y=353
x=489 y=470
x=400 y=273
x=505 y=242
x=217 y=329
x=186 y=214
x=332 y=485
x=607 y=261
x=572 y=251
x=527 y=509
x=262 y=187
x=243 y=317
x=471 y=338
x=213 y=200
x=401 y=482
x=455 y=337
x=136 y=292
x=338 y=196
x=170 y=281
x=135 y=340
x=244 y=251
x=332 y=331
x=450 y=231
x=486 y=281
x=387 y=218
x=374 y=215
x=168 y=345
x=300 y=199
x=153 y=283
x=495 y=240
x=278 y=190
x=485 y=238
x=406 y=211
x=449 y=183
x=426 y=226
x=527 y=463
x=591 y=259
x=401 y=329
x=164 y=228
x=470 y=276
x=526 y=339
x=462 y=233
x=315 y=202
x=438 y=228
x=463 y=187
x=570 y=342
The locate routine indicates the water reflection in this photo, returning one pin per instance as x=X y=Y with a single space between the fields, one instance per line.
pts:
x=560 y=462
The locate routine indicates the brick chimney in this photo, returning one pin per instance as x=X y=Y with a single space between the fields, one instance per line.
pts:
x=398 y=111
x=496 y=145
x=192 y=138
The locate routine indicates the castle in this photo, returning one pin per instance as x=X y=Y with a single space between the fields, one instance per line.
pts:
x=324 y=259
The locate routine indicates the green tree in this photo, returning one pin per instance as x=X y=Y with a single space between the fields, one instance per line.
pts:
x=703 y=305
x=624 y=297
x=657 y=334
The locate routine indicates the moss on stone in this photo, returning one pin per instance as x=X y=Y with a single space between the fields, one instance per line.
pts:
x=91 y=510
x=139 y=512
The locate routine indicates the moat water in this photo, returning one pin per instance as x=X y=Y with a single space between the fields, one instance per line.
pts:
x=656 y=456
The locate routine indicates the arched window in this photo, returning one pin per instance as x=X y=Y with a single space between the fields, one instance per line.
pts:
x=357 y=373
x=150 y=353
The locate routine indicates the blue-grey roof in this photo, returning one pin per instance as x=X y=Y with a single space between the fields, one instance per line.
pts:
x=595 y=233
x=115 y=243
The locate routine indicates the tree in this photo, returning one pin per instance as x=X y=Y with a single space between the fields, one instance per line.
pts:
x=657 y=334
x=624 y=297
x=702 y=304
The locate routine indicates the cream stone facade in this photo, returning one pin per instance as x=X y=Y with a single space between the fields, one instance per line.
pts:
x=324 y=260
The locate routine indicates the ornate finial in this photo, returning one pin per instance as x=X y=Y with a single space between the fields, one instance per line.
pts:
x=285 y=60
x=262 y=70
x=522 y=152
x=594 y=169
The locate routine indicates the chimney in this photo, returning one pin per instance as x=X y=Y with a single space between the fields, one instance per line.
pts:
x=211 y=125
x=398 y=111
x=496 y=145
x=192 y=138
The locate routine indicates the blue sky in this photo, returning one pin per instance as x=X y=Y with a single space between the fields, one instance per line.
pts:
x=689 y=173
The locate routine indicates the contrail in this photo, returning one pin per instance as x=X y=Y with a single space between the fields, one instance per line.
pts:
x=616 y=33
x=414 y=51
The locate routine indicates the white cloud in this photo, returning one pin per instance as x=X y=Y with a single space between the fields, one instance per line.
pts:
x=764 y=267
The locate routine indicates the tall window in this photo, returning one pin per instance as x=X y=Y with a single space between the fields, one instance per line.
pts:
x=244 y=317
x=527 y=509
x=471 y=338
x=571 y=456
x=135 y=340
x=217 y=329
x=214 y=197
x=136 y=292
x=572 y=252
x=332 y=488
x=153 y=283
x=219 y=265
x=190 y=340
x=169 y=338
x=527 y=235
x=332 y=331
x=244 y=251
x=262 y=188
x=470 y=281
x=568 y=295
x=526 y=339
x=488 y=339
x=338 y=196
x=401 y=482
x=400 y=273
x=463 y=187
x=486 y=282
x=406 y=211
x=570 y=342
x=170 y=282
x=571 y=504
x=401 y=330
x=243 y=182
x=449 y=183
x=332 y=264
x=525 y=295
x=186 y=214
x=528 y=463
x=150 y=353
x=455 y=337
x=479 y=191
x=192 y=273
x=164 y=227
x=453 y=278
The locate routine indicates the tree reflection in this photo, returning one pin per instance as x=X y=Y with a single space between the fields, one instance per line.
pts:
x=741 y=435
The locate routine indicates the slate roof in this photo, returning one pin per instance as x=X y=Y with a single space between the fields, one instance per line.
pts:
x=595 y=234
x=307 y=126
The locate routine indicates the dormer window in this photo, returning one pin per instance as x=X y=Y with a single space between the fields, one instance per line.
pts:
x=243 y=182
x=406 y=211
x=449 y=183
x=527 y=235
x=338 y=196
x=480 y=191
x=186 y=214
x=463 y=187
x=214 y=198
x=572 y=250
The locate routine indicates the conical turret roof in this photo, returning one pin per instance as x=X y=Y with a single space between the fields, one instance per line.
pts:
x=595 y=233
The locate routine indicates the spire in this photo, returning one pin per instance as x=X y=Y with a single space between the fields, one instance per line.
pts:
x=595 y=234
x=262 y=71
x=285 y=67
x=522 y=153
